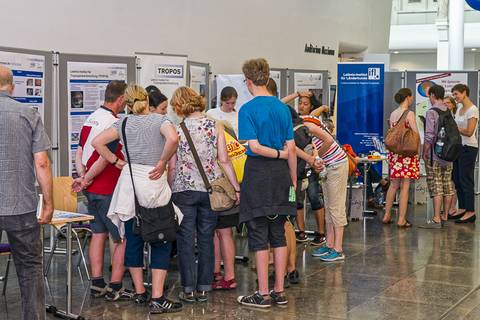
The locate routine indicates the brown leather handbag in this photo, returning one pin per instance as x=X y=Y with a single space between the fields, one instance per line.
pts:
x=401 y=139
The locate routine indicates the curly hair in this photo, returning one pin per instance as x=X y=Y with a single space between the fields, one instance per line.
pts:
x=257 y=70
x=186 y=101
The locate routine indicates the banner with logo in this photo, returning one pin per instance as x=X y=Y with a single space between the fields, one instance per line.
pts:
x=425 y=81
x=166 y=72
x=360 y=106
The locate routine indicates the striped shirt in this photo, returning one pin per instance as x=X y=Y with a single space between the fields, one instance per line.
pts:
x=335 y=153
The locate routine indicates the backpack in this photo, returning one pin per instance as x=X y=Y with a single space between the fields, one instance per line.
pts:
x=452 y=140
x=401 y=139
x=302 y=141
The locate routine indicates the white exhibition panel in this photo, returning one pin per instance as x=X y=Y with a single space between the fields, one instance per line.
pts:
x=303 y=81
x=236 y=81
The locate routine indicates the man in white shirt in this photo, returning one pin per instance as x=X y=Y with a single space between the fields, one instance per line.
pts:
x=227 y=112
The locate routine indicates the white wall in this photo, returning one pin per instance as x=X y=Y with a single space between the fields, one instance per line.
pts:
x=428 y=61
x=223 y=33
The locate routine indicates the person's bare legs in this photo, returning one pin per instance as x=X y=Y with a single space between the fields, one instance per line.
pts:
x=330 y=235
x=391 y=193
x=453 y=205
x=403 y=203
x=300 y=219
x=320 y=217
x=96 y=252
x=137 y=278
x=118 y=258
x=227 y=249
x=261 y=260
x=338 y=242
x=291 y=247
x=447 y=204
x=280 y=256
x=111 y=247
x=218 y=254
x=158 y=282
x=437 y=207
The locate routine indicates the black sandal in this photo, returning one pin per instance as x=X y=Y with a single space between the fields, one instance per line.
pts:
x=405 y=225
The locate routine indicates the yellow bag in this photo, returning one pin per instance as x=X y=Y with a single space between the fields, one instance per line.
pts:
x=237 y=154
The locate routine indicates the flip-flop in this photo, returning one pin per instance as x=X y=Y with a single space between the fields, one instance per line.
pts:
x=405 y=225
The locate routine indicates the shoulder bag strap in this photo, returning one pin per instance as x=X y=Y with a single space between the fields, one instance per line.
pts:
x=124 y=125
x=196 y=157
x=403 y=117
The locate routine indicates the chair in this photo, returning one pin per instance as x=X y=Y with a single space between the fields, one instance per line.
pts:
x=66 y=200
x=5 y=250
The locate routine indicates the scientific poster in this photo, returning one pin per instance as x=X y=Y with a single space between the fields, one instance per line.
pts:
x=87 y=82
x=29 y=78
x=165 y=72
x=308 y=81
x=198 y=79
x=424 y=82
x=236 y=81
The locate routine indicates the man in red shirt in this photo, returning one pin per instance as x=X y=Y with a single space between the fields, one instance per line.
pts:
x=98 y=178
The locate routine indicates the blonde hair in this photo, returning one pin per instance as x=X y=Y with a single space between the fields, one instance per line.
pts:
x=186 y=101
x=257 y=70
x=136 y=98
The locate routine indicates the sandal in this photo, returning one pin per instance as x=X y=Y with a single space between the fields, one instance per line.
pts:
x=225 y=284
x=389 y=221
x=405 y=225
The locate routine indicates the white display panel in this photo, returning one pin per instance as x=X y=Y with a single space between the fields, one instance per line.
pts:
x=198 y=79
x=87 y=82
x=236 y=81
x=28 y=77
x=308 y=81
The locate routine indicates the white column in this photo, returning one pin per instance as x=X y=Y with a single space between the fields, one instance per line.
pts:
x=442 y=44
x=456 y=34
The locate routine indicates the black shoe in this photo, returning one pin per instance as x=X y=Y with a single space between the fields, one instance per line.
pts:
x=141 y=298
x=294 y=277
x=163 y=305
x=97 y=292
x=202 y=296
x=120 y=295
x=187 y=297
x=458 y=216
x=278 y=297
x=468 y=220
x=302 y=237
x=318 y=241
x=255 y=300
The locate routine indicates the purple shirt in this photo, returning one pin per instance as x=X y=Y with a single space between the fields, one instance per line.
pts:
x=431 y=130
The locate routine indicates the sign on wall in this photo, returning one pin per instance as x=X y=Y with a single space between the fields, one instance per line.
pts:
x=360 y=105
x=425 y=81
x=87 y=82
x=28 y=77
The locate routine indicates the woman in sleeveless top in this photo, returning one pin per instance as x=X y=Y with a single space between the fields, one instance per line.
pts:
x=402 y=168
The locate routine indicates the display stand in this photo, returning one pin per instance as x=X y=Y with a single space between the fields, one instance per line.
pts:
x=315 y=80
x=280 y=77
x=98 y=71
x=198 y=78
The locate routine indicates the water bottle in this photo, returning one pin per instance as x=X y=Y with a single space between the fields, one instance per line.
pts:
x=323 y=173
x=440 y=141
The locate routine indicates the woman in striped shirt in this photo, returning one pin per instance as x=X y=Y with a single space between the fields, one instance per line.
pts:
x=334 y=189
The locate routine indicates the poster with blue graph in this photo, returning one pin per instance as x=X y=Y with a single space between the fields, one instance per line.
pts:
x=360 y=106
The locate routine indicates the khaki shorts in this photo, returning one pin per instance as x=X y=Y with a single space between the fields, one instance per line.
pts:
x=439 y=179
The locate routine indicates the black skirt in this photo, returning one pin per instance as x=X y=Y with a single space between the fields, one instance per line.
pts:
x=266 y=189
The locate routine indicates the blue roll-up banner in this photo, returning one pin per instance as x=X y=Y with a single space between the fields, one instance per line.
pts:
x=475 y=4
x=360 y=106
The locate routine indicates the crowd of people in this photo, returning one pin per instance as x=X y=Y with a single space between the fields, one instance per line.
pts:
x=142 y=164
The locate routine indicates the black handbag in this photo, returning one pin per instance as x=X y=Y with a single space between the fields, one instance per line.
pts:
x=152 y=224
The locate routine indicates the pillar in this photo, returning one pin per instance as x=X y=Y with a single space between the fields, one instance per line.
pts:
x=456 y=45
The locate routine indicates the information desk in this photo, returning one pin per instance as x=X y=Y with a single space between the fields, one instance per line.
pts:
x=61 y=219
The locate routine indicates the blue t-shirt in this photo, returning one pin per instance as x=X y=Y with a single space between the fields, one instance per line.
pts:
x=267 y=120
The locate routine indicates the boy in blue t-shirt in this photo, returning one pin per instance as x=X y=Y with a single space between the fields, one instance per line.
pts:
x=268 y=187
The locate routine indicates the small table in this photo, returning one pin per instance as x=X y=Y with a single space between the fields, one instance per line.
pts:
x=60 y=219
x=365 y=162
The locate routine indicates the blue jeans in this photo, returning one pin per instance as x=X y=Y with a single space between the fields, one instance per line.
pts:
x=198 y=225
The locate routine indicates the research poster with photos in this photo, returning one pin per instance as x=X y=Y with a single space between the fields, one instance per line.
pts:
x=236 y=81
x=308 y=81
x=198 y=79
x=28 y=77
x=425 y=81
x=165 y=72
x=87 y=82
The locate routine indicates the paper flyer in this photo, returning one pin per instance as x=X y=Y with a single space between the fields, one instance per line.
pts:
x=28 y=77
x=87 y=82
x=425 y=81
x=308 y=81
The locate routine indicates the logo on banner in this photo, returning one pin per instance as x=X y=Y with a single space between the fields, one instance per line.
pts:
x=169 y=70
x=373 y=73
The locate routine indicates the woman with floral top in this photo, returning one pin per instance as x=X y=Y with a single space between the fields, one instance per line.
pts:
x=190 y=194
x=402 y=168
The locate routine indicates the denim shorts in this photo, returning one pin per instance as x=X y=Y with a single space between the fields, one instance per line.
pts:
x=98 y=206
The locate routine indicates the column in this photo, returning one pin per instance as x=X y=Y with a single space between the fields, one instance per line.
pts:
x=456 y=34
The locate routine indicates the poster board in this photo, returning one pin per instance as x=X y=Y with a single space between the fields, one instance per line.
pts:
x=236 y=81
x=280 y=77
x=315 y=80
x=165 y=71
x=198 y=78
x=394 y=81
x=83 y=79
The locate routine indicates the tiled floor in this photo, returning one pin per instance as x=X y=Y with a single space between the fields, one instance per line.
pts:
x=388 y=274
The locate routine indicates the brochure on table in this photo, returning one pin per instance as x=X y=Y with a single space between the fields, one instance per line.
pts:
x=236 y=81
x=87 y=82
x=29 y=78
x=167 y=72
